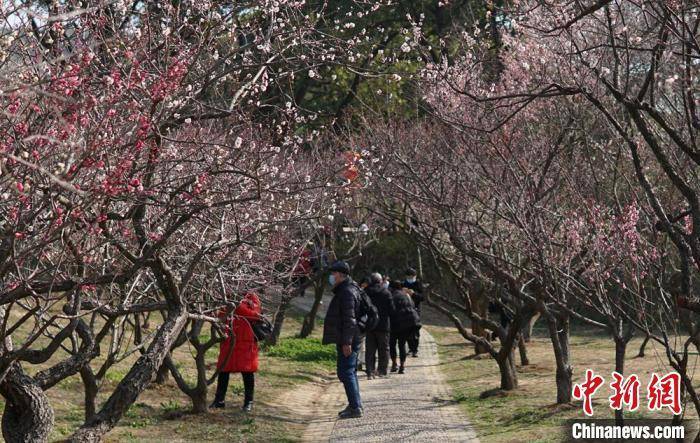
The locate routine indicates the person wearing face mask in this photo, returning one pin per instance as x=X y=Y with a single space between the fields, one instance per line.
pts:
x=340 y=328
x=415 y=290
x=378 y=338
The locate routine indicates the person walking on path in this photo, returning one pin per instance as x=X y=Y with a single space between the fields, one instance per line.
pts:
x=243 y=357
x=404 y=323
x=340 y=328
x=416 y=290
x=364 y=283
x=377 y=341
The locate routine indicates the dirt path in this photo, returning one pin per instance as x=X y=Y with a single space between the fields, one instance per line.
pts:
x=415 y=406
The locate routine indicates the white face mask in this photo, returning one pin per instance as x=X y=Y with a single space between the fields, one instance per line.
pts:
x=411 y=280
x=385 y=285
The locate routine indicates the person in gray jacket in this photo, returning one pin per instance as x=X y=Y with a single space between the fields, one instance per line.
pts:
x=340 y=328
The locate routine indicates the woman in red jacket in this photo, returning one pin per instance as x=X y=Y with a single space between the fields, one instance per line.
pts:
x=243 y=357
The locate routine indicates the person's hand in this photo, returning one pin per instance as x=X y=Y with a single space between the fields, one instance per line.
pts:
x=347 y=350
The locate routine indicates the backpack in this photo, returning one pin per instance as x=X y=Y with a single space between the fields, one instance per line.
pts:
x=262 y=329
x=368 y=314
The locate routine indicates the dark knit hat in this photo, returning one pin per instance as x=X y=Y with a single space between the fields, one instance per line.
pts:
x=340 y=266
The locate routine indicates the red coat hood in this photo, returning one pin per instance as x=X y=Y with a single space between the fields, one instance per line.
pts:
x=249 y=307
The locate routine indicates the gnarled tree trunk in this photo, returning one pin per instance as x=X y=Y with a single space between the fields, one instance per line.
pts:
x=28 y=416
x=198 y=392
x=135 y=381
x=506 y=366
x=559 y=335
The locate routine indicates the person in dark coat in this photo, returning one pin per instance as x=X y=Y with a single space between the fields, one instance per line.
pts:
x=404 y=322
x=415 y=289
x=243 y=357
x=340 y=328
x=378 y=339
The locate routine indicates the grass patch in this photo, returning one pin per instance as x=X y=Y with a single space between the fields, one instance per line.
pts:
x=115 y=375
x=170 y=407
x=304 y=350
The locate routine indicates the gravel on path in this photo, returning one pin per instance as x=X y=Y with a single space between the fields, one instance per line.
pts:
x=416 y=406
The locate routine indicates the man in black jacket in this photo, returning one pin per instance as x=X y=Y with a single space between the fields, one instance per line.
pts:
x=415 y=287
x=340 y=328
x=378 y=338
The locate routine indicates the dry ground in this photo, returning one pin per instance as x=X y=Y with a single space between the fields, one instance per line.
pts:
x=529 y=413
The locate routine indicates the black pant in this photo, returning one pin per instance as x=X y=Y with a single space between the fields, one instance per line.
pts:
x=400 y=338
x=377 y=342
x=222 y=386
x=414 y=341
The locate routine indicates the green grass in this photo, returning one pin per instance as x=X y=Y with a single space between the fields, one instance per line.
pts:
x=115 y=375
x=304 y=350
x=171 y=406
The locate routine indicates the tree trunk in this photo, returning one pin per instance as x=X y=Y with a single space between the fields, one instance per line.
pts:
x=135 y=381
x=620 y=348
x=91 y=389
x=522 y=348
x=310 y=320
x=506 y=365
x=28 y=416
x=198 y=392
x=480 y=305
x=199 y=401
x=681 y=366
x=278 y=322
x=643 y=346
x=162 y=375
x=527 y=330
x=559 y=334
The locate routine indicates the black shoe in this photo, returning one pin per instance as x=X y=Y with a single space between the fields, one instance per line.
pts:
x=351 y=413
x=217 y=405
x=401 y=371
x=347 y=408
x=394 y=368
x=414 y=354
x=247 y=407
x=370 y=376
